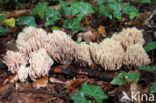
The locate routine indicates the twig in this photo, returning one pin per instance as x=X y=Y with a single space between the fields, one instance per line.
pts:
x=39 y=91
x=10 y=90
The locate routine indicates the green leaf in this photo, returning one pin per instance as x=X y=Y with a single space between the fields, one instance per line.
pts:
x=117 y=7
x=130 y=10
x=145 y=1
x=52 y=12
x=52 y=16
x=73 y=24
x=154 y=12
x=120 y=79
x=51 y=21
x=64 y=5
x=2 y=17
x=133 y=76
x=150 y=46
x=40 y=9
x=80 y=9
x=20 y=4
x=10 y=22
x=105 y=10
x=79 y=97
x=132 y=15
x=148 y=68
x=54 y=28
x=28 y=21
x=94 y=91
x=123 y=78
x=1 y=1
x=3 y=31
x=153 y=89
x=78 y=42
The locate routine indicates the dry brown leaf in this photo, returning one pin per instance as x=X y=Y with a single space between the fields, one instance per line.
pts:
x=89 y=36
x=40 y=83
x=71 y=84
x=14 y=79
x=54 y=80
x=101 y=30
x=57 y=70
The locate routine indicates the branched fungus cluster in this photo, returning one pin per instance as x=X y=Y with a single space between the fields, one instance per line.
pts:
x=38 y=50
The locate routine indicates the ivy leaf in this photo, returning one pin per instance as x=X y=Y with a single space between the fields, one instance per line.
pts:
x=116 y=10
x=1 y=1
x=94 y=91
x=28 y=21
x=150 y=46
x=64 y=5
x=81 y=8
x=20 y=4
x=123 y=78
x=10 y=22
x=145 y=1
x=2 y=17
x=52 y=12
x=104 y=9
x=79 y=97
x=133 y=76
x=3 y=31
x=132 y=15
x=153 y=89
x=51 y=21
x=130 y=10
x=73 y=24
x=54 y=28
x=40 y=9
x=154 y=12
x=148 y=68
x=120 y=79
x=52 y=16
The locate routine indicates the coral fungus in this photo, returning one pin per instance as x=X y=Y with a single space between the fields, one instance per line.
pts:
x=39 y=50
x=14 y=60
x=109 y=54
x=136 y=56
x=129 y=36
x=82 y=55
x=61 y=47
x=31 y=39
x=40 y=63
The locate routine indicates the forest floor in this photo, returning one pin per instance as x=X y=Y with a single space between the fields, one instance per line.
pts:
x=63 y=80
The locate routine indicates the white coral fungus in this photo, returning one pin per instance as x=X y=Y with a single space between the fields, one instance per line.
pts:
x=82 y=55
x=136 y=56
x=61 y=47
x=22 y=72
x=129 y=36
x=109 y=54
x=14 y=60
x=31 y=39
x=40 y=63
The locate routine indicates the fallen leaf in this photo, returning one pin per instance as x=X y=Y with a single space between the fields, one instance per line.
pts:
x=89 y=36
x=57 y=70
x=101 y=30
x=13 y=79
x=40 y=83
x=71 y=84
